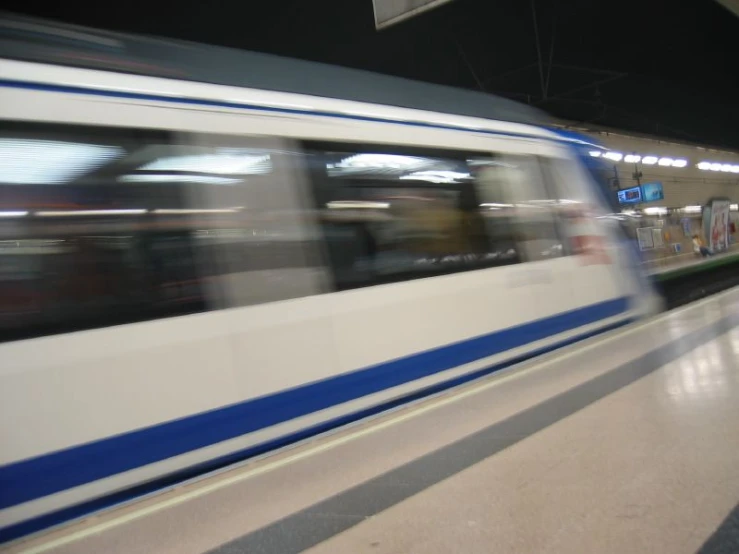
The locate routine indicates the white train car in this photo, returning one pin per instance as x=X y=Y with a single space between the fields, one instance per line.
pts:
x=200 y=262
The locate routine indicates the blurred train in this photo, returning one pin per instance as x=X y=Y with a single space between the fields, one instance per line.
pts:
x=206 y=254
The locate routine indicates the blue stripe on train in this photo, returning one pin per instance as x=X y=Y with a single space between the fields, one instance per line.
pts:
x=80 y=510
x=64 y=515
x=51 y=473
x=71 y=89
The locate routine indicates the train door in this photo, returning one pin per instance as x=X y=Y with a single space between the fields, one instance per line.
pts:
x=254 y=232
x=539 y=234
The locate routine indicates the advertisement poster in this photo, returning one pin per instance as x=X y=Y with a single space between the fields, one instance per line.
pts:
x=657 y=238
x=719 y=230
x=645 y=237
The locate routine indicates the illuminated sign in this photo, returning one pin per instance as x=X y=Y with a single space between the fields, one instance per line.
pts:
x=630 y=196
x=652 y=192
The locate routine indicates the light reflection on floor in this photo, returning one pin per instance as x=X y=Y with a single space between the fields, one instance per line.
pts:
x=709 y=371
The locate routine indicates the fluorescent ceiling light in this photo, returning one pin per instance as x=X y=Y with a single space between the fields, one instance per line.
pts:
x=495 y=205
x=680 y=163
x=665 y=162
x=226 y=163
x=382 y=161
x=356 y=204
x=657 y=210
x=595 y=153
x=615 y=156
x=66 y=213
x=649 y=160
x=177 y=211
x=178 y=178
x=437 y=176
x=13 y=213
x=46 y=162
x=717 y=166
x=632 y=159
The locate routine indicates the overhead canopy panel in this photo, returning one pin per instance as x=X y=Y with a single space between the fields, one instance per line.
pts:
x=390 y=12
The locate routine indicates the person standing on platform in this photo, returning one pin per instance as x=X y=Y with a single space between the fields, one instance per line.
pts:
x=699 y=247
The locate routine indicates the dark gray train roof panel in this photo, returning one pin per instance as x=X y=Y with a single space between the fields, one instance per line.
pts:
x=42 y=41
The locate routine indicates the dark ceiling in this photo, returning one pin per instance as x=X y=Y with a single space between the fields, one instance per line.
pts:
x=654 y=66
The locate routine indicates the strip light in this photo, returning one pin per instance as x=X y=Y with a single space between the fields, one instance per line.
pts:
x=634 y=158
x=382 y=161
x=47 y=162
x=657 y=210
x=226 y=163
x=495 y=205
x=69 y=213
x=718 y=166
x=357 y=204
x=436 y=176
x=178 y=178
x=178 y=211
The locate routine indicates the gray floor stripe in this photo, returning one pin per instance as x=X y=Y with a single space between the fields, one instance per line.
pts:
x=725 y=540
x=315 y=524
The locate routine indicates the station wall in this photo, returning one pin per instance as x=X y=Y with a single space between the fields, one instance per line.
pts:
x=682 y=186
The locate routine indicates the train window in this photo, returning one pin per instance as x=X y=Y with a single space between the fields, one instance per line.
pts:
x=80 y=246
x=560 y=183
x=258 y=231
x=392 y=214
x=102 y=226
x=536 y=221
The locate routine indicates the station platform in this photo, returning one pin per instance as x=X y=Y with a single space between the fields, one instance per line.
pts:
x=683 y=264
x=627 y=442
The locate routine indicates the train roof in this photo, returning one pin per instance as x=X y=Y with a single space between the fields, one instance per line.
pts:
x=37 y=40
